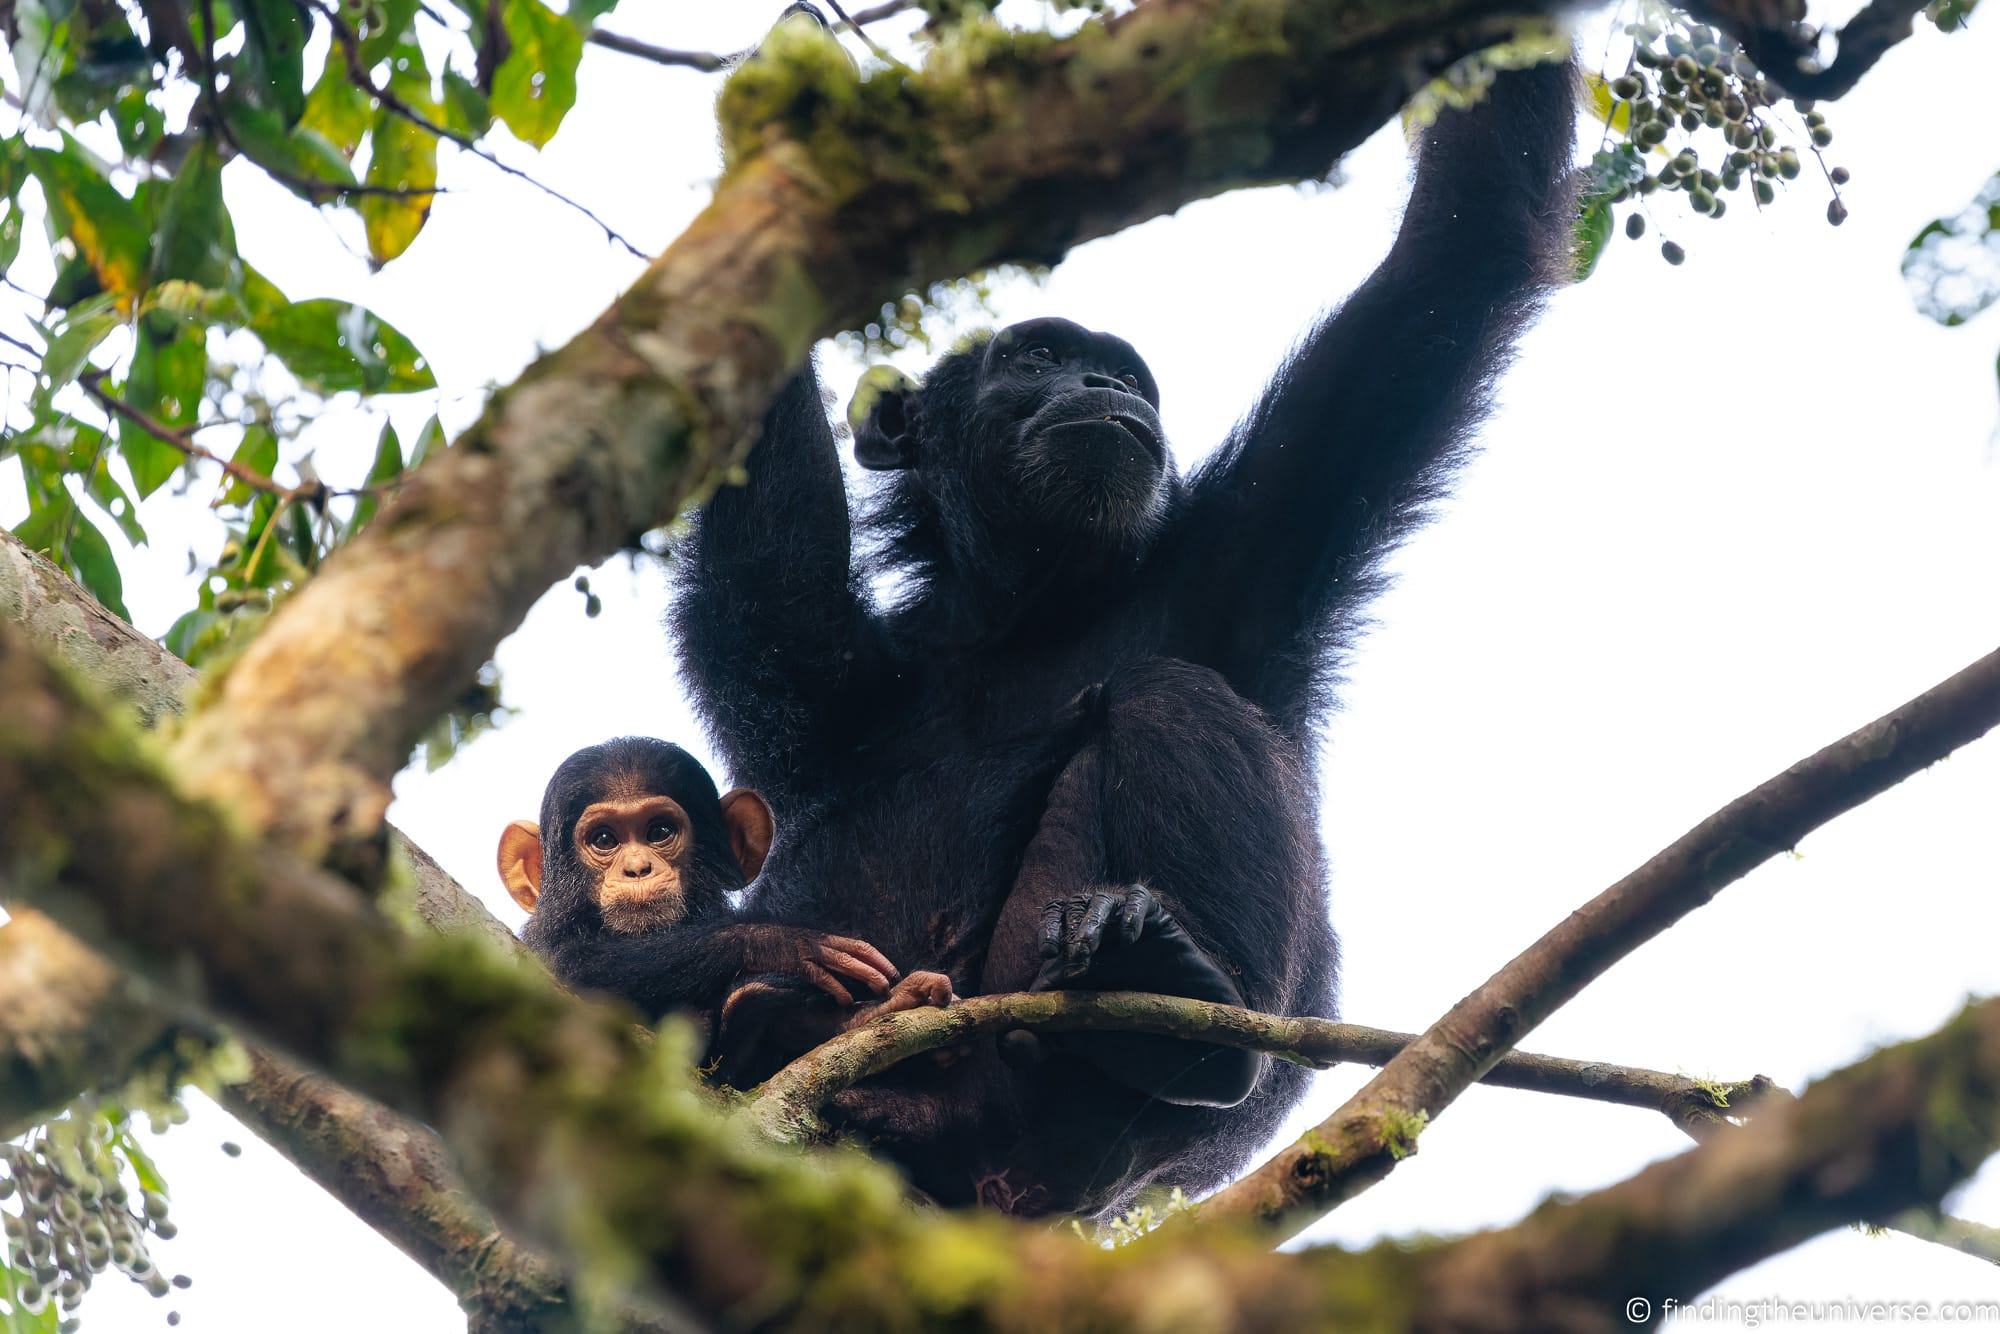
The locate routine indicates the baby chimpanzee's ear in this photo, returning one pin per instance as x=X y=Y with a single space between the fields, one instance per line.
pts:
x=885 y=415
x=748 y=819
x=520 y=861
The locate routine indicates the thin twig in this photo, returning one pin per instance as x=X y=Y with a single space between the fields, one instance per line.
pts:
x=708 y=62
x=787 y=1104
x=1362 y=1141
x=858 y=31
x=358 y=75
x=181 y=439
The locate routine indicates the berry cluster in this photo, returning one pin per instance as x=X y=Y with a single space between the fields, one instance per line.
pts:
x=1685 y=79
x=74 y=1216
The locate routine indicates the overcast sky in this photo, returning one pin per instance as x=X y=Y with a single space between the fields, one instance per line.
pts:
x=1724 y=514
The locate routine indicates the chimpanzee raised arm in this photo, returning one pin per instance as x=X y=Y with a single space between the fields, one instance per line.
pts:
x=1363 y=425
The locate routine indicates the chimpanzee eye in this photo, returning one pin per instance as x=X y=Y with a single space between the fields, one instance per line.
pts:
x=603 y=839
x=1038 y=358
x=1131 y=378
x=659 y=831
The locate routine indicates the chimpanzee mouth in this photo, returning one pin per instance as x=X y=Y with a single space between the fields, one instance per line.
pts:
x=1140 y=430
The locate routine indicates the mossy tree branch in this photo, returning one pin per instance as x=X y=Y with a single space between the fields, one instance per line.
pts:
x=1364 y=1139
x=577 y=1126
x=71 y=1022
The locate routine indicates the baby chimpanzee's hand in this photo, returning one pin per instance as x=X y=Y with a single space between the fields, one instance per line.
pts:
x=829 y=962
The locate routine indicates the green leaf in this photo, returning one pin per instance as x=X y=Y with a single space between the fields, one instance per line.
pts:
x=139 y=123
x=258 y=453
x=103 y=488
x=142 y=1164
x=430 y=440
x=273 y=58
x=333 y=346
x=195 y=240
x=301 y=159
x=536 y=86
x=402 y=156
x=465 y=107
x=105 y=227
x=1591 y=234
x=388 y=466
x=383 y=25
x=10 y=234
x=84 y=326
x=166 y=380
x=337 y=110
x=59 y=531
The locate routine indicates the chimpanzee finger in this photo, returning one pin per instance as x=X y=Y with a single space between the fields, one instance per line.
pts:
x=1053 y=918
x=867 y=953
x=828 y=983
x=1088 y=933
x=1132 y=914
x=854 y=969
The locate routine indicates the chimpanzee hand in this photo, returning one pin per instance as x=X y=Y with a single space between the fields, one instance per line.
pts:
x=1120 y=938
x=828 y=962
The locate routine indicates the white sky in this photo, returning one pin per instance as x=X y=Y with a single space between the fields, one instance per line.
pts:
x=1724 y=514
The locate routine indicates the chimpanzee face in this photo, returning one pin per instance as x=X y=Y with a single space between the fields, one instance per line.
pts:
x=1073 y=422
x=636 y=839
x=1049 y=433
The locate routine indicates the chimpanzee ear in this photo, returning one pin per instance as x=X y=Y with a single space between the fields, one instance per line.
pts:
x=520 y=862
x=748 y=820
x=885 y=413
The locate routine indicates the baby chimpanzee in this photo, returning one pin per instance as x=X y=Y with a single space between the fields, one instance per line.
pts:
x=629 y=898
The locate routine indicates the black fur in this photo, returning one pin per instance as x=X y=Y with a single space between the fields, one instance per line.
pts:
x=911 y=752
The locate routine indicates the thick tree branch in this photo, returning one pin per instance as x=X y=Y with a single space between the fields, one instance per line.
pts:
x=785 y=1107
x=577 y=1125
x=1362 y=1141
x=1894 y=1132
x=393 y=1174
x=70 y=1022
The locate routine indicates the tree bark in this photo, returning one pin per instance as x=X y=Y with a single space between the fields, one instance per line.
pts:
x=72 y=1022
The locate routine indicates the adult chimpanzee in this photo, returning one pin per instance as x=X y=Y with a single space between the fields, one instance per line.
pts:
x=629 y=897
x=1069 y=607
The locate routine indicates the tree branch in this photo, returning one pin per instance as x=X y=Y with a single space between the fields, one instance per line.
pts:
x=70 y=1022
x=576 y=1125
x=785 y=1107
x=1782 y=50
x=1364 y=1139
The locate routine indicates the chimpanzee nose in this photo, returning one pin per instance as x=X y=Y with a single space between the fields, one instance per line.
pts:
x=638 y=868
x=1096 y=380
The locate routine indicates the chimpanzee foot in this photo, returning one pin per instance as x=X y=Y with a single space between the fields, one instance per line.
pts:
x=915 y=991
x=1121 y=938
